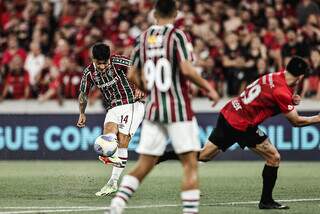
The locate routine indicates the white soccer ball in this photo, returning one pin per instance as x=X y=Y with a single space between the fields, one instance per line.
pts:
x=105 y=145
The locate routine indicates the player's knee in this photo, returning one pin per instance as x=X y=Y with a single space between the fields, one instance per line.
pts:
x=190 y=167
x=204 y=157
x=275 y=159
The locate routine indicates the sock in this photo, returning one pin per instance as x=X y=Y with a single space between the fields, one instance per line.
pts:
x=128 y=186
x=171 y=155
x=269 y=176
x=122 y=153
x=111 y=136
x=190 y=201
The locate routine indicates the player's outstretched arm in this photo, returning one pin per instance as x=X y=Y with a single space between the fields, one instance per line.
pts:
x=299 y=121
x=134 y=76
x=83 y=100
x=190 y=72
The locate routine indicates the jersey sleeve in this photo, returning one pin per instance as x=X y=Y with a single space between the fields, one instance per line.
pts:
x=135 y=54
x=86 y=82
x=283 y=98
x=121 y=61
x=184 y=47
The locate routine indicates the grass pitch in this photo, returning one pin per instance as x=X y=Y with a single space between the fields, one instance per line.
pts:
x=69 y=187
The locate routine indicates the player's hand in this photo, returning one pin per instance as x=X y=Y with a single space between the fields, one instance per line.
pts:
x=296 y=99
x=139 y=94
x=213 y=96
x=81 y=121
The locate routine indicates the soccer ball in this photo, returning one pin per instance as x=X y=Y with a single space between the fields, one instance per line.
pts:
x=105 y=145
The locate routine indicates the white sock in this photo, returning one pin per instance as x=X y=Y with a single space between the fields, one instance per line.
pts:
x=122 y=153
x=128 y=186
x=190 y=201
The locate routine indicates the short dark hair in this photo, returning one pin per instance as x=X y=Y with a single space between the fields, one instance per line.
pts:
x=297 y=66
x=100 y=51
x=165 y=8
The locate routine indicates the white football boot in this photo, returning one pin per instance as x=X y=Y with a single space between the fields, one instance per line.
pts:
x=108 y=189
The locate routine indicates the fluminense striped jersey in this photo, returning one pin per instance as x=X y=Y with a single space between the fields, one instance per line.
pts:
x=112 y=82
x=157 y=53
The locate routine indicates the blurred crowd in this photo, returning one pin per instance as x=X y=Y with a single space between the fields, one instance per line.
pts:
x=45 y=44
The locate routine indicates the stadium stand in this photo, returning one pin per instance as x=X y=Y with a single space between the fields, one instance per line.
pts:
x=45 y=44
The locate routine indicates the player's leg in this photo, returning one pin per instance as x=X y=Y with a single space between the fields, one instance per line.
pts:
x=152 y=145
x=129 y=118
x=209 y=151
x=272 y=157
x=190 y=193
x=185 y=141
x=111 y=130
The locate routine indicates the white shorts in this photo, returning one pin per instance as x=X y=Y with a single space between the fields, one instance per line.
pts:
x=128 y=117
x=154 y=136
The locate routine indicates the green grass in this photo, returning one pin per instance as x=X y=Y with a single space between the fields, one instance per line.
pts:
x=73 y=183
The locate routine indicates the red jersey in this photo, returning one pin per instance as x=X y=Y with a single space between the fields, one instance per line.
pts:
x=17 y=84
x=267 y=96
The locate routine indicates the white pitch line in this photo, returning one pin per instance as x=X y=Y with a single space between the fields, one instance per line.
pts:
x=56 y=211
x=95 y=208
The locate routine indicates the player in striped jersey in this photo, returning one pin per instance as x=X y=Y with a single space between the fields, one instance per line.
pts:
x=124 y=109
x=162 y=65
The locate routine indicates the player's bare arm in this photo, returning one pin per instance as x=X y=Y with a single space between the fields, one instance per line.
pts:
x=300 y=121
x=189 y=72
x=83 y=100
x=134 y=76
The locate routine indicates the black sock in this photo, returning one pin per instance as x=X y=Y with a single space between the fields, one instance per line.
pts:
x=269 y=176
x=171 y=155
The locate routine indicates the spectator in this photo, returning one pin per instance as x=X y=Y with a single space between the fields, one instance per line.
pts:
x=34 y=64
x=311 y=85
x=16 y=85
x=294 y=47
x=53 y=91
x=233 y=63
x=306 y=8
x=253 y=54
x=244 y=38
x=62 y=50
x=12 y=51
x=233 y=21
x=69 y=78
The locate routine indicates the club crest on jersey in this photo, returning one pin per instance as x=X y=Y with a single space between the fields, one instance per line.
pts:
x=110 y=73
x=290 y=107
x=155 y=40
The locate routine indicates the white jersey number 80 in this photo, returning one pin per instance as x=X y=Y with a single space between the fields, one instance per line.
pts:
x=159 y=74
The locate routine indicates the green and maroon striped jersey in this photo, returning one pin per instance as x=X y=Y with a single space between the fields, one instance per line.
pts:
x=157 y=53
x=112 y=82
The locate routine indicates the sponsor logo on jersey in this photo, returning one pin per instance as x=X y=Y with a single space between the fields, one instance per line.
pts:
x=107 y=84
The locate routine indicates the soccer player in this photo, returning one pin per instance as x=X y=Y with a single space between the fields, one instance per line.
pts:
x=124 y=111
x=239 y=119
x=161 y=65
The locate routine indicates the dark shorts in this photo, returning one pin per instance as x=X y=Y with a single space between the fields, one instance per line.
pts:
x=224 y=135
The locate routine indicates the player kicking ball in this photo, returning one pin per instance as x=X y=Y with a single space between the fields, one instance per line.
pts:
x=161 y=65
x=124 y=111
x=239 y=119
